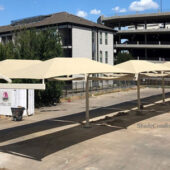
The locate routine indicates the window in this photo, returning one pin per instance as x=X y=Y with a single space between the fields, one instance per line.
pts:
x=6 y=39
x=101 y=38
x=93 y=55
x=106 y=38
x=93 y=37
x=106 y=57
x=93 y=46
x=101 y=56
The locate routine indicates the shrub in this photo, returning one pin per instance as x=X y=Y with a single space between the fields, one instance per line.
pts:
x=122 y=57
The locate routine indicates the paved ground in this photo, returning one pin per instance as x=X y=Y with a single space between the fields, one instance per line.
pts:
x=54 y=138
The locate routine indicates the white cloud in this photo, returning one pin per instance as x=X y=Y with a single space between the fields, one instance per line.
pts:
x=1 y=8
x=118 y=9
x=143 y=5
x=95 y=12
x=123 y=10
x=81 y=13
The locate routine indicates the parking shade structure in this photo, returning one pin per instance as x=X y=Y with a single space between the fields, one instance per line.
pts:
x=64 y=67
x=136 y=67
x=57 y=67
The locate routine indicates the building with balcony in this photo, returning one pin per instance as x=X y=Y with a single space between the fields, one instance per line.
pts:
x=145 y=36
x=80 y=37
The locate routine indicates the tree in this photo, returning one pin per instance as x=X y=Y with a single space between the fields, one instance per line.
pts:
x=6 y=51
x=2 y=52
x=36 y=45
x=122 y=57
x=42 y=45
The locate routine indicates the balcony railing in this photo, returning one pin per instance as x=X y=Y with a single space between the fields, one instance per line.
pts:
x=144 y=43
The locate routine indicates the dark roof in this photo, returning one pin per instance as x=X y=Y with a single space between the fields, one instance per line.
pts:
x=54 y=19
x=126 y=20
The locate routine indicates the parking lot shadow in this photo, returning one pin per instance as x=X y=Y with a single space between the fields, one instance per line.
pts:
x=27 y=129
x=39 y=147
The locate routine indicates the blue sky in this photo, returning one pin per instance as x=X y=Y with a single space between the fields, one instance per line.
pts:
x=90 y=9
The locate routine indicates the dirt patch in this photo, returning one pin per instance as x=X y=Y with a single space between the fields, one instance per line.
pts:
x=72 y=98
x=126 y=119
x=4 y=117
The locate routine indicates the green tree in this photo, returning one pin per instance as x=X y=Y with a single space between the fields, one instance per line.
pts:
x=123 y=56
x=2 y=52
x=40 y=45
x=51 y=95
x=36 y=45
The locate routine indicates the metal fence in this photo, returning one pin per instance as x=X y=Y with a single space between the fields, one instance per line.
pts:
x=106 y=86
x=97 y=86
x=155 y=82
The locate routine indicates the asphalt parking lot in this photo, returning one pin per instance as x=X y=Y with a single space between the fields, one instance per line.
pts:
x=120 y=137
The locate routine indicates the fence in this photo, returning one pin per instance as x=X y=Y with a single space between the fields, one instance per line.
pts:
x=98 y=86
x=144 y=43
x=95 y=86
x=155 y=82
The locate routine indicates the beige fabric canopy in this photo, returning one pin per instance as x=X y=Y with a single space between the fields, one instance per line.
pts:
x=5 y=78
x=36 y=69
x=167 y=63
x=63 y=66
x=140 y=66
x=9 y=66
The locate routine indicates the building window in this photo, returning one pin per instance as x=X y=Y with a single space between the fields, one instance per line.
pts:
x=106 y=38
x=93 y=37
x=6 y=39
x=93 y=55
x=106 y=57
x=93 y=46
x=101 y=56
x=101 y=38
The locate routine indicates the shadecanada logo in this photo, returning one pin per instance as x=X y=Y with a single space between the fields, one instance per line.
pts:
x=5 y=96
x=153 y=125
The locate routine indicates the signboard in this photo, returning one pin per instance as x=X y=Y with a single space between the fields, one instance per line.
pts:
x=5 y=97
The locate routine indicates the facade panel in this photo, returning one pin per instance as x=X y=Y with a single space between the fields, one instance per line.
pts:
x=81 y=42
x=107 y=46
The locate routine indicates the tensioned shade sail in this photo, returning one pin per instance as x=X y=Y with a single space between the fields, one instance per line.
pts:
x=139 y=66
x=64 y=66
x=5 y=78
x=167 y=64
x=7 y=67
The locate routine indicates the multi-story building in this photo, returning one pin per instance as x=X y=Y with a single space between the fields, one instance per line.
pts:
x=80 y=37
x=145 y=36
